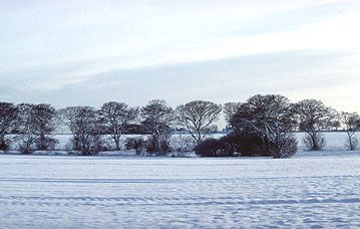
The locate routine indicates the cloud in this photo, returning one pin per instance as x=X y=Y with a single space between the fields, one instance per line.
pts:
x=223 y=80
x=87 y=52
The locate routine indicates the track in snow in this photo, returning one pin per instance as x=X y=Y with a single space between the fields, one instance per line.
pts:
x=98 y=192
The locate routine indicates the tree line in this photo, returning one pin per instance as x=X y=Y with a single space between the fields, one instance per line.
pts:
x=263 y=125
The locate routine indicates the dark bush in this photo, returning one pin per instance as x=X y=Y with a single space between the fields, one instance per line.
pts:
x=286 y=148
x=209 y=148
x=252 y=146
x=229 y=146
x=138 y=144
x=135 y=129
x=4 y=145
x=46 y=143
x=90 y=146
x=163 y=148
x=233 y=145
x=150 y=146
x=26 y=146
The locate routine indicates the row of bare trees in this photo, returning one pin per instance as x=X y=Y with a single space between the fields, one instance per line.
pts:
x=270 y=118
x=314 y=117
x=265 y=124
x=34 y=124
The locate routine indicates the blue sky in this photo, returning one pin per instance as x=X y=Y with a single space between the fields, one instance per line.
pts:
x=89 y=52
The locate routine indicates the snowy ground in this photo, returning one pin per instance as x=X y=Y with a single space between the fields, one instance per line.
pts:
x=126 y=192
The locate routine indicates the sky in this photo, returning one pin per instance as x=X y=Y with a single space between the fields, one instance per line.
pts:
x=72 y=52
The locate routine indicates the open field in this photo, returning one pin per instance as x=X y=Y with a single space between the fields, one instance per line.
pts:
x=111 y=192
x=335 y=141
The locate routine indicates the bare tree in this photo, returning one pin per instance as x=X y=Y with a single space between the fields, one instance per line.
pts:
x=45 y=125
x=351 y=122
x=8 y=115
x=334 y=120
x=157 y=119
x=270 y=118
x=198 y=117
x=35 y=123
x=116 y=116
x=313 y=117
x=84 y=124
x=230 y=110
x=26 y=127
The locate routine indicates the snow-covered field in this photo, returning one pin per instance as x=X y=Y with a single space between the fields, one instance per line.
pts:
x=309 y=190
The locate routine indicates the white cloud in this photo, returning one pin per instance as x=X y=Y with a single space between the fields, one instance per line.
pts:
x=43 y=41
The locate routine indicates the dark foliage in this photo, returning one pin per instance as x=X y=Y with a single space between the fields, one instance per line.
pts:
x=162 y=149
x=5 y=145
x=8 y=116
x=208 y=148
x=46 y=143
x=138 y=144
x=284 y=148
x=269 y=120
x=135 y=129
x=234 y=145
x=247 y=145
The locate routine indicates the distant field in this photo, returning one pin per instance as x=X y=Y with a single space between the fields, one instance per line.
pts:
x=308 y=190
x=335 y=140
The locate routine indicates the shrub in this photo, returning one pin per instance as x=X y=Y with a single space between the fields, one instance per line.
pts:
x=26 y=144
x=234 y=145
x=284 y=149
x=138 y=144
x=150 y=146
x=252 y=146
x=24 y=149
x=208 y=148
x=163 y=147
x=229 y=146
x=314 y=142
x=351 y=143
x=5 y=145
x=141 y=145
x=46 y=143
x=90 y=146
